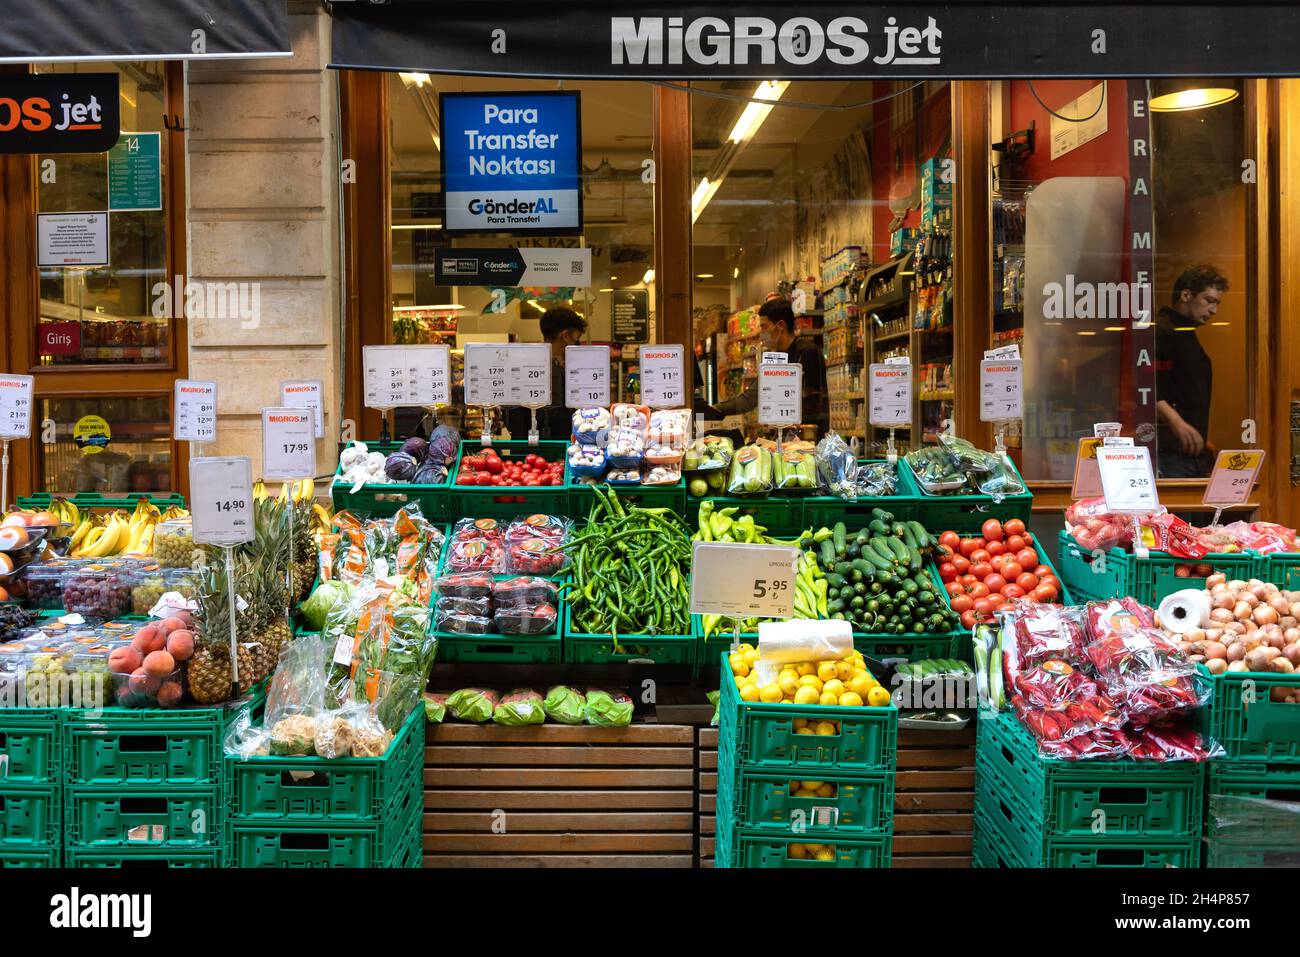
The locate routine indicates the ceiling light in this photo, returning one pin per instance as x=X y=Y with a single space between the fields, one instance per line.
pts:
x=704 y=275
x=1088 y=332
x=1184 y=328
x=700 y=198
x=1114 y=328
x=752 y=117
x=1218 y=323
x=613 y=279
x=735 y=273
x=431 y=224
x=1051 y=323
x=534 y=303
x=416 y=80
x=1192 y=98
x=608 y=289
x=649 y=276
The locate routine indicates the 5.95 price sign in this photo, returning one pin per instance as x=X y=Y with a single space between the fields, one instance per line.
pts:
x=742 y=581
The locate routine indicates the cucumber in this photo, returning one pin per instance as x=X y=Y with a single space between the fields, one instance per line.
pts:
x=901 y=552
x=828 y=553
x=878 y=527
x=924 y=540
x=870 y=555
x=838 y=536
x=834 y=580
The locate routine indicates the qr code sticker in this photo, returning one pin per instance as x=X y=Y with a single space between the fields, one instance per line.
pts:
x=575 y=267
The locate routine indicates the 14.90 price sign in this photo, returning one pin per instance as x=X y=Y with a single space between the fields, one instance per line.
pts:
x=221 y=500
x=742 y=581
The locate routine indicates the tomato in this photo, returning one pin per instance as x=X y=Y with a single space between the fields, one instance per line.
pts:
x=954 y=589
x=1042 y=571
x=961 y=563
x=1028 y=581
x=1027 y=557
x=947 y=572
x=979 y=590
x=962 y=603
x=1050 y=580
x=484 y=478
x=968 y=619
x=980 y=556
x=983 y=606
x=1012 y=570
x=968 y=580
x=950 y=540
x=992 y=530
x=494 y=465
x=981 y=571
x=465 y=478
x=995 y=582
x=530 y=482
x=1014 y=527
x=475 y=462
x=969 y=545
x=1014 y=543
x=1013 y=591
x=1045 y=593
x=995 y=548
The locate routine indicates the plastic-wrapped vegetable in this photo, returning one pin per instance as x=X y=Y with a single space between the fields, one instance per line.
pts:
x=635 y=417
x=565 y=705
x=435 y=706
x=608 y=709
x=531 y=543
x=626 y=448
x=587 y=461
x=666 y=434
x=794 y=471
x=591 y=426
x=624 y=477
x=876 y=479
x=708 y=453
x=751 y=471
x=836 y=467
x=472 y=704
x=520 y=707
x=661 y=475
x=477 y=545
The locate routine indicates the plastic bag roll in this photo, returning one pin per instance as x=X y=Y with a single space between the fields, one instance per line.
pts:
x=790 y=642
x=1185 y=611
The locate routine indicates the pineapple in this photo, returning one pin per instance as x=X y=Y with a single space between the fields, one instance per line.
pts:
x=271 y=603
x=209 y=671
x=305 y=559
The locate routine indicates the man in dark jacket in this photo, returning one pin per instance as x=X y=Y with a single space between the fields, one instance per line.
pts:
x=1184 y=374
x=560 y=327
x=776 y=332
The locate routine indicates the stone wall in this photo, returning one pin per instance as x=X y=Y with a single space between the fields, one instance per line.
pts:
x=261 y=162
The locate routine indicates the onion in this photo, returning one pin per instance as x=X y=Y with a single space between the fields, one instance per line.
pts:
x=1225 y=600
x=1214 y=649
x=1218 y=578
x=1236 y=652
x=1237 y=666
x=1196 y=634
x=1241 y=611
x=1279 y=605
x=1281 y=664
x=1292 y=653
x=1249 y=599
x=1286 y=621
x=1292 y=635
x=1213 y=634
x=1264 y=615
x=1259 y=590
x=1236 y=585
x=1196 y=659
x=1295 y=610
x=1276 y=641
x=1270 y=652
x=1235 y=627
x=1257 y=660
x=1221 y=615
x=1217 y=666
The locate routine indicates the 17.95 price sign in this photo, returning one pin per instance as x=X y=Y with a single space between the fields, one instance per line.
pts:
x=742 y=581
x=288 y=444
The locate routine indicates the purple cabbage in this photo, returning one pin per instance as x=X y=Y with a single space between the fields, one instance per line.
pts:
x=400 y=467
x=444 y=443
x=416 y=448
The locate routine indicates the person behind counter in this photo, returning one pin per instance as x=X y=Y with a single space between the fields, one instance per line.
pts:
x=777 y=334
x=560 y=327
x=1184 y=374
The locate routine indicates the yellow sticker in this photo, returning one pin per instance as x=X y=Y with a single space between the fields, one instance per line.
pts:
x=92 y=434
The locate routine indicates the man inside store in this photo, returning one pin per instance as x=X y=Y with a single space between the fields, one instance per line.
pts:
x=560 y=327
x=1184 y=374
x=776 y=334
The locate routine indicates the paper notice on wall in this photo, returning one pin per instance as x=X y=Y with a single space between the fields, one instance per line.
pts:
x=1086 y=120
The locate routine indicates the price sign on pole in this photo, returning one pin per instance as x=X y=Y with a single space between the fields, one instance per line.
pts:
x=528 y=372
x=385 y=376
x=663 y=376
x=288 y=444
x=1126 y=479
x=743 y=581
x=1233 y=478
x=891 y=394
x=1087 y=476
x=16 y=406
x=429 y=368
x=1002 y=389
x=586 y=376
x=406 y=376
x=194 y=408
x=306 y=394
x=780 y=394
x=221 y=500
x=486 y=381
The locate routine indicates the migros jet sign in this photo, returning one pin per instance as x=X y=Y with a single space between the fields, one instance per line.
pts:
x=58 y=113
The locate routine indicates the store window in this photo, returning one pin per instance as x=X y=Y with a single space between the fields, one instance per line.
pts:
x=617 y=199
x=1120 y=265
x=103 y=314
x=108 y=444
x=835 y=196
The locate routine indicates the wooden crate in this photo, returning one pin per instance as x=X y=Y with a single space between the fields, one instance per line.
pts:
x=934 y=796
x=706 y=790
x=559 y=796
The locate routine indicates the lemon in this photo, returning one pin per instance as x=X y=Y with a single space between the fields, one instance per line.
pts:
x=739 y=666
x=798 y=852
x=805 y=668
x=804 y=730
x=751 y=656
x=800 y=723
x=844 y=670
x=811 y=681
x=811 y=785
x=771 y=694
x=835 y=686
x=826 y=727
x=788 y=682
x=745 y=648
x=805 y=695
x=850 y=699
x=805 y=793
x=860 y=685
x=878 y=697
x=826 y=670
x=827 y=698
x=826 y=854
x=826 y=791
x=749 y=692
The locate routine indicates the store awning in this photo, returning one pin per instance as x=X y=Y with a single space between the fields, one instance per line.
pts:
x=783 y=40
x=58 y=30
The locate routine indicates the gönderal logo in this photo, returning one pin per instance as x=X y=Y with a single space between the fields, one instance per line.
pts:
x=798 y=41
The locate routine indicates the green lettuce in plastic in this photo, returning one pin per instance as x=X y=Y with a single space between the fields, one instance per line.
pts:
x=608 y=709
x=520 y=707
x=318 y=606
x=715 y=697
x=472 y=704
x=435 y=706
x=565 y=705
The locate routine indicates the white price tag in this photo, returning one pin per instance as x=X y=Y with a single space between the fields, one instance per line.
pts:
x=486 y=374
x=1003 y=352
x=429 y=368
x=1126 y=479
x=528 y=370
x=221 y=500
x=385 y=376
x=780 y=394
x=773 y=358
x=306 y=394
x=1002 y=388
x=586 y=376
x=288 y=444
x=1233 y=478
x=194 y=407
x=406 y=376
x=743 y=581
x=1103 y=429
x=16 y=406
x=891 y=394
x=663 y=376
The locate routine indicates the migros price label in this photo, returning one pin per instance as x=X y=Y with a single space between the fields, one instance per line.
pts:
x=1127 y=482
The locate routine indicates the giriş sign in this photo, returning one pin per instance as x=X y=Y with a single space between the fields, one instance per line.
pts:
x=58 y=112
x=512 y=162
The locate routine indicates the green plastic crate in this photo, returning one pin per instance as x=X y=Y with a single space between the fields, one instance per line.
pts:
x=41 y=501
x=911 y=647
x=154 y=858
x=940 y=512
x=472 y=501
x=1280 y=568
x=1156 y=577
x=987 y=850
x=1147 y=799
x=29 y=747
x=269 y=845
x=29 y=817
x=581 y=497
x=31 y=857
x=140 y=816
x=765 y=738
x=580 y=648
x=1150 y=580
x=772 y=850
x=1124 y=854
x=1249 y=724
x=1268 y=782
x=826 y=510
x=782 y=517
x=500 y=649
x=264 y=790
x=386 y=498
x=863 y=804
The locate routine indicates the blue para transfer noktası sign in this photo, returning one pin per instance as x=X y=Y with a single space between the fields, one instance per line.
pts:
x=512 y=162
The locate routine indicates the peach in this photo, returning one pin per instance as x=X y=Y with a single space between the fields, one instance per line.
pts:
x=159 y=664
x=170 y=694
x=144 y=683
x=168 y=625
x=180 y=645
x=124 y=660
x=149 y=639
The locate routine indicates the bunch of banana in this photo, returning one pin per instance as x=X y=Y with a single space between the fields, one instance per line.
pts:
x=119 y=533
x=174 y=511
x=66 y=512
x=102 y=540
